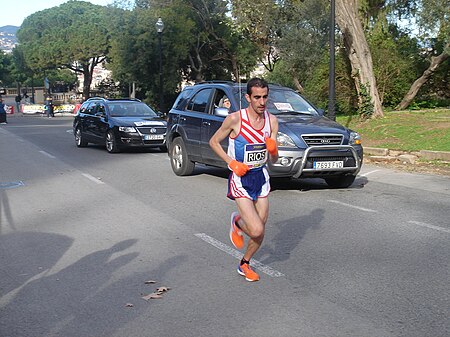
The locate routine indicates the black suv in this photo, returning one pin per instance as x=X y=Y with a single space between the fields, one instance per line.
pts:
x=310 y=145
x=119 y=123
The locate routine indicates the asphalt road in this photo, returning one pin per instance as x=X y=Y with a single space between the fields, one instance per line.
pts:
x=82 y=230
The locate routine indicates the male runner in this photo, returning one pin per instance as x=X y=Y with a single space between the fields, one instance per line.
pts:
x=251 y=136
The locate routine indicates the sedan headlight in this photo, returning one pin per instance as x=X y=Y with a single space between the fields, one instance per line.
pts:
x=284 y=140
x=355 y=138
x=128 y=129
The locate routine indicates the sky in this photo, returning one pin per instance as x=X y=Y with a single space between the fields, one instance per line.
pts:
x=13 y=13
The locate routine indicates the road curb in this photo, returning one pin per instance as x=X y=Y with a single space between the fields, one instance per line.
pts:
x=432 y=155
x=384 y=154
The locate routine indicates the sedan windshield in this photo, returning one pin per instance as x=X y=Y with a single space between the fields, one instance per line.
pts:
x=130 y=109
x=282 y=101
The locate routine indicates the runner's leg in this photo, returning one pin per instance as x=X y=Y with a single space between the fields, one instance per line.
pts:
x=253 y=216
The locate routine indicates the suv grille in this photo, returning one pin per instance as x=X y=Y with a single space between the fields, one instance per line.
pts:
x=318 y=140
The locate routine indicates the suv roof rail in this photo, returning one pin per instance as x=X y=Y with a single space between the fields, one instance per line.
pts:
x=114 y=99
x=276 y=84
x=216 y=81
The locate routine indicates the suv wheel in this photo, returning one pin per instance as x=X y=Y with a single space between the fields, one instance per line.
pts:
x=179 y=159
x=340 y=181
x=111 y=143
x=79 y=139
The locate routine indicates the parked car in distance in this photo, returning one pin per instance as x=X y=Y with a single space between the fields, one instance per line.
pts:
x=119 y=123
x=309 y=144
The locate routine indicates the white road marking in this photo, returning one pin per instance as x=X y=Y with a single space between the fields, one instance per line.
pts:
x=92 y=178
x=47 y=154
x=367 y=173
x=423 y=224
x=69 y=131
x=238 y=255
x=353 y=206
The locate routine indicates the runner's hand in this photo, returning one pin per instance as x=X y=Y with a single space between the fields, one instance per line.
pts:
x=238 y=168
x=271 y=146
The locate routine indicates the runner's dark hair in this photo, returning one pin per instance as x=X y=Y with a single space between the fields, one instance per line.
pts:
x=256 y=82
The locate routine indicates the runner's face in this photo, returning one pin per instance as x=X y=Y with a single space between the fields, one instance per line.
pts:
x=258 y=99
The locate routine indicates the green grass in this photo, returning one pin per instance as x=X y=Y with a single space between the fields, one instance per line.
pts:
x=404 y=130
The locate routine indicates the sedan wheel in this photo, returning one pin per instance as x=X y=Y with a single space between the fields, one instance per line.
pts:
x=79 y=139
x=111 y=143
x=179 y=159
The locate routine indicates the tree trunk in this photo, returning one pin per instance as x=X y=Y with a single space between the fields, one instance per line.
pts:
x=298 y=85
x=435 y=62
x=358 y=51
x=235 y=67
x=87 y=80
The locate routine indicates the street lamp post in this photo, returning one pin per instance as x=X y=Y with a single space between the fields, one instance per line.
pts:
x=331 y=85
x=159 y=28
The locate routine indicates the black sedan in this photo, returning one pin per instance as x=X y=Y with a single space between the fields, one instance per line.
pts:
x=119 y=123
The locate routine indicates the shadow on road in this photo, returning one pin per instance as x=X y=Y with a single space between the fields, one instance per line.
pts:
x=6 y=210
x=290 y=233
x=24 y=255
x=84 y=299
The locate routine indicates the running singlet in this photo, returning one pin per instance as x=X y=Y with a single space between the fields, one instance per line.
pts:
x=249 y=145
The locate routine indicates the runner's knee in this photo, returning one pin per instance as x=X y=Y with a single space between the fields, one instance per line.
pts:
x=256 y=233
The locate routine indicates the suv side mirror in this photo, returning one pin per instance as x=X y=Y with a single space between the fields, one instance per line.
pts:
x=221 y=112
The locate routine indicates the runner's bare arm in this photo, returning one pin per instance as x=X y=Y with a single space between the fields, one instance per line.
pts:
x=229 y=126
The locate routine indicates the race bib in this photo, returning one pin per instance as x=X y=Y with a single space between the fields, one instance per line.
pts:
x=255 y=155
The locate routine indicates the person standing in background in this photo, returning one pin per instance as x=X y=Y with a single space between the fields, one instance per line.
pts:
x=2 y=112
x=49 y=107
x=18 y=99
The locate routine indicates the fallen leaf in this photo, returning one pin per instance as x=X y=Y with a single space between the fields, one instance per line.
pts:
x=149 y=282
x=129 y=305
x=163 y=289
x=152 y=296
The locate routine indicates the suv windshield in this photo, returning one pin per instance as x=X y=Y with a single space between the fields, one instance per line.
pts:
x=130 y=109
x=283 y=101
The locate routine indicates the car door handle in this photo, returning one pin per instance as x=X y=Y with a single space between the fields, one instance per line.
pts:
x=182 y=119
x=206 y=123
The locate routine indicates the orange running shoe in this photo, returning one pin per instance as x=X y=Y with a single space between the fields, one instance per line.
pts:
x=236 y=235
x=246 y=270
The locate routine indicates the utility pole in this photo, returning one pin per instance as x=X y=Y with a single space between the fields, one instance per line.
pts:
x=331 y=85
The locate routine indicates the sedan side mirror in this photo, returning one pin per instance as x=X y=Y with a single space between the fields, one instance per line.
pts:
x=321 y=112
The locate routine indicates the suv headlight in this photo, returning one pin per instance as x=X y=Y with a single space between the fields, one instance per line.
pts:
x=128 y=129
x=284 y=140
x=355 y=138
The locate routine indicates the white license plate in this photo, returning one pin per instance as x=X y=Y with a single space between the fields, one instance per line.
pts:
x=153 y=137
x=328 y=164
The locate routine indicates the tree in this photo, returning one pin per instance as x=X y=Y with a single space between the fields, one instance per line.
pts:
x=198 y=42
x=303 y=40
x=358 y=51
x=433 y=17
x=387 y=42
x=135 y=38
x=5 y=69
x=217 y=48
x=73 y=35
x=260 y=24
